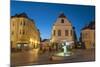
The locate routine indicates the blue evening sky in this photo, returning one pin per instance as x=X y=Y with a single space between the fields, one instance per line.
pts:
x=45 y=15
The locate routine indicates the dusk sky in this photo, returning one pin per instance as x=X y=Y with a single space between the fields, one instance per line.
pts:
x=45 y=15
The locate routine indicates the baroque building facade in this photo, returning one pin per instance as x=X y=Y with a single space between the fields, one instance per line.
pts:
x=62 y=31
x=88 y=35
x=24 y=34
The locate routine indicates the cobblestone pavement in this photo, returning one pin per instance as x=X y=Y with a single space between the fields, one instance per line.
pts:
x=29 y=58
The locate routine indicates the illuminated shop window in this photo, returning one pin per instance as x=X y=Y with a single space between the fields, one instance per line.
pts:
x=18 y=45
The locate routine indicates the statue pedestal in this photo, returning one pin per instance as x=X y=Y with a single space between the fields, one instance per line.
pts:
x=62 y=56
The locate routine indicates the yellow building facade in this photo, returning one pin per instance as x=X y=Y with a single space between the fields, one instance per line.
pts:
x=88 y=36
x=24 y=33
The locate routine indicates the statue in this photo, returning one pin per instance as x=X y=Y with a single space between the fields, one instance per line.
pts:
x=65 y=47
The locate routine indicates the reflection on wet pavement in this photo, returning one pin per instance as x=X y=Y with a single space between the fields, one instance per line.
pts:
x=33 y=58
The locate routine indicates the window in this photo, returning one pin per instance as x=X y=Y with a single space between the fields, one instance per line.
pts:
x=23 y=23
x=12 y=33
x=86 y=35
x=71 y=32
x=20 y=23
x=59 y=32
x=54 y=32
x=66 y=32
x=62 y=20
x=23 y=32
x=18 y=45
x=20 y=31
x=13 y=24
x=25 y=45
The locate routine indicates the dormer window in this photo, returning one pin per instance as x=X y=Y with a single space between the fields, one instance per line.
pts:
x=62 y=20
